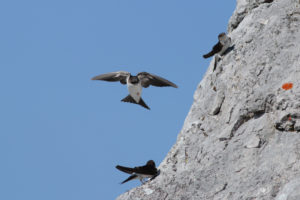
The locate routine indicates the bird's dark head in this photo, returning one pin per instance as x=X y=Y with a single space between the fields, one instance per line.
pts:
x=151 y=163
x=221 y=36
x=133 y=79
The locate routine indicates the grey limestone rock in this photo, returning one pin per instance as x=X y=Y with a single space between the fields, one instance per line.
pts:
x=241 y=138
x=290 y=191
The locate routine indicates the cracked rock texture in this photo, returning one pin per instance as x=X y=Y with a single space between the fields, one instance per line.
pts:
x=241 y=138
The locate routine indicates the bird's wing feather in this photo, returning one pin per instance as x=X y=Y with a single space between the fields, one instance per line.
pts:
x=151 y=79
x=139 y=170
x=113 y=76
x=127 y=170
x=145 y=170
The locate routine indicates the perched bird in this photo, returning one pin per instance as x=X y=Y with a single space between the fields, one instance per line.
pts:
x=147 y=171
x=135 y=84
x=223 y=44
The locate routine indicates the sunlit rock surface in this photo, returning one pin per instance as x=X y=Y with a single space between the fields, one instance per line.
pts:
x=241 y=138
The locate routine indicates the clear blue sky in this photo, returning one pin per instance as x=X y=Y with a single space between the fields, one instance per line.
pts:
x=62 y=134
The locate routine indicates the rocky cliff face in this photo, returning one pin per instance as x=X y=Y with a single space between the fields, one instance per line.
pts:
x=241 y=138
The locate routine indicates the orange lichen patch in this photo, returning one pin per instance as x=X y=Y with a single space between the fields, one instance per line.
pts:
x=287 y=86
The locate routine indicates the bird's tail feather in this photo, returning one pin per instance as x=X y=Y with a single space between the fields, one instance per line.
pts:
x=134 y=176
x=129 y=99
x=209 y=54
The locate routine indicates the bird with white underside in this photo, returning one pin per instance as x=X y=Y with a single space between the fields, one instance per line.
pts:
x=135 y=84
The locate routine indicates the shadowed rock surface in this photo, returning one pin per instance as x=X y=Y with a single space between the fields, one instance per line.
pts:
x=241 y=138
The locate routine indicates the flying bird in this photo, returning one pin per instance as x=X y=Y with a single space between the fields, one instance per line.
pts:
x=147 y=171
x=222 y=45
x=135 y=84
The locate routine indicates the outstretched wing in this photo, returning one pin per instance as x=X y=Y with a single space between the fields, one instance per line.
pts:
x=151 y=79
x=217 y=48
x=113 y=76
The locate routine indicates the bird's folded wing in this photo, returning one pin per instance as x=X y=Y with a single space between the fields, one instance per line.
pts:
x=125 y=169
x=145 y=170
